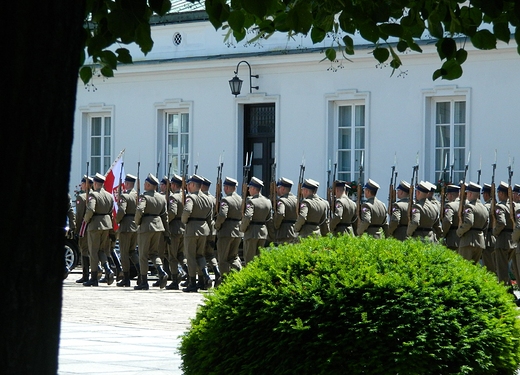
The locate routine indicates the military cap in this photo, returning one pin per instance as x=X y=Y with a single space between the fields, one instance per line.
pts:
x=310 y=184
x=371 y=185
x=196 y=178
x=431 y=186
x=404 y=186
x=340 y=183
x=516 y=188
x=206 y=182
x=99 y=178
x=423 y=187
x=85 y=178
x=130 y=178
x=256 y=182
x=152 y=179
x=474 y=187
x=452 y=189
x=486 y=188
x=165 y=180
x=176 y=179
x=230 y=181
x=503 y=186
x=285 y=182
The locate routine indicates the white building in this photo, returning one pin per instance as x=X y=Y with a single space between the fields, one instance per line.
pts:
x=176 y=102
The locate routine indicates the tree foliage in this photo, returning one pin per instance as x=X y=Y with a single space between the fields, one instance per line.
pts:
x=391 y=25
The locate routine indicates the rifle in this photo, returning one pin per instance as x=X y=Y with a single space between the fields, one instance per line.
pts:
x=442 y=180
x=157 y=170
x=247 y=167
x=479 y=172
x=196 y=165
x=391 y=190
x=413 y=181
x=218 y=187
x=120 y=182
x=184 y=171
x=463 y=191
x=272 y=189
x=83 y=227
x=138 y=181
x=360 y=187
x=510 y=192
x=492 y=214
x=300 y=183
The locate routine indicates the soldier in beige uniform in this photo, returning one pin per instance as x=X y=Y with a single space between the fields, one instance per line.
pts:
x=437 y=225
x=81 y=208
x=151 y=216
x=424 y=215
x=99 y=223
x=450 y=220
x=175 y=253
x=197 y=211
x=227 y=224
x=344 y=212
x=504 y=245
x=127 y=230
x=475 y=220
x=398 y=221
x=372 y=218
x=488 y=254
x=516 y=230
x=285 y=213
x=254 y=220
x=211 y=256
x=312 y=212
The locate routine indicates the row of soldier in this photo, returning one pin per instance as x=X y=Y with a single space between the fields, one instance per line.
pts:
x=182 y=223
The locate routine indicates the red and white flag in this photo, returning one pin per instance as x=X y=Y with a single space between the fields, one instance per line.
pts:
x=115 y=176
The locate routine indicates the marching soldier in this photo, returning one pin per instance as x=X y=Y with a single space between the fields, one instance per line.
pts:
x=437 y=225
x=516 y=230
x=488 y=254
x=285 y=212
x=399 y=218
x=312 y=213
x=151 y=216
x=504 y=245
x=227 y=224
x=372 y=218
x=257 y=214
x=210 y=241
x=450 y=220
x=175 y=253
x=163 y=245
x=344 y=212
x=424 y=215
x=81 y=208
x=98 y=218
x=127 y=230
x=474 y=223
x=197 y=211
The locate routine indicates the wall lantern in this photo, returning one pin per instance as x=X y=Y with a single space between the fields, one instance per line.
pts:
x=235 y=84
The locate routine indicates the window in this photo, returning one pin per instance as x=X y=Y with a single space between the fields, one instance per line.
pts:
x=100 y=144
x=177 y=125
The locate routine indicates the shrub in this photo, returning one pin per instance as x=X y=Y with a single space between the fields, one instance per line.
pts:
x=348 y=305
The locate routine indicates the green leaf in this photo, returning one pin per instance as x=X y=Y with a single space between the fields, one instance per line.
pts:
x=446 y=48
x=369 y=31
x=107 y=71
x=484 y=39
x=438 y=73
x=349 y=45
x=143 y=38
x=161 y=7
x=346 y=24
x=501 y=31
x=123 y=56
x=300 y=18
x=330 y=53
x=453 y=70
x=256 y=7
x=108 y=58
x=461 y=56
x=435 y=28
x=392 y=29
x=239 y=34
x=317 y=34
x=218 y=12
x=236 y=20
x=85 y=73
x=381 y=54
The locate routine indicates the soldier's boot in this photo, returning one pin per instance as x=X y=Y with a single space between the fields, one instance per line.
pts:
x=163 y=276
x=174 y=284
x=185 y=269
x=109 y=274
x=125 y=281
x=93 y=281
x=218 y=276
x=85 y=264
x=192 y=287
x=208 y=283
x=201 y=282
x=100 y=274
x=143 y=285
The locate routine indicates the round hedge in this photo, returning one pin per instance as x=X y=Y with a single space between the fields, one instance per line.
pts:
x=347 y=305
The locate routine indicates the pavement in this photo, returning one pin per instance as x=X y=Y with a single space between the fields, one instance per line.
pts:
x=108 y=329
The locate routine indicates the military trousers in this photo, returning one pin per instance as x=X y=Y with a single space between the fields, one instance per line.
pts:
x=83 y=246
x=98 y=247
x=195 y=248
x=176 y=253
x=502 y=257
x=148 y=244
x=488 y=259
x=252 y=248
x=227 y=254
x=127 y=252
x=471 y=253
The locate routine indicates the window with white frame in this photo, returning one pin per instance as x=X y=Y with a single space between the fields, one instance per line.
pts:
x=351 y=129
x=100 y=135
x=178 y=134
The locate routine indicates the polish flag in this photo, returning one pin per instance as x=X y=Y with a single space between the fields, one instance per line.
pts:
x=113 y=178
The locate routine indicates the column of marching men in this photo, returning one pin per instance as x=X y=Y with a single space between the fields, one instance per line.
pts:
x=190 y=232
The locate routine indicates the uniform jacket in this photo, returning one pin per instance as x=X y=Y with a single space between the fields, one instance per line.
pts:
x=197 y=211
x=175 y=208
x=99 y=210
x=475 y=220
x=450 y=224
x=256 y=216
x=285 y=217
x=343 y=216
x=424 y=215
x=81 y=208
x=313 y=214
x=399 y=219
x=373 y=218
x=211 y=220
x=229 y=216
x=516 y=232
x=125 y=216
x=503 y=230
x=490 y=239
x=151 y=214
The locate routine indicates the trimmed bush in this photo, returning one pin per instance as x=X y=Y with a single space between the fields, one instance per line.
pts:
x=348 y=305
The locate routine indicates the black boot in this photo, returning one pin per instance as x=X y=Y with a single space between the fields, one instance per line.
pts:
x=174 y=285
x=100 y=274
x=201 y=282
x=218 y=276
x=93 y=280
x=208 y=283
x=125 y=281
x=163 y=276
x=192 y=287
x=109 y=274
x=143 y=285
x=185 y=269
x=85 y=264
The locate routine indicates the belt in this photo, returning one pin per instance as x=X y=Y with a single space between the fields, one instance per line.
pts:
x=375 y=226
x=257 y=223
x=231 y=219
x=288 y=221
x=311 y=223
x=507 y=230
x=147 y=215
x=478 y=229
x=343 y=225
x=129 y=215
x=420 y=229
x=196 y=219
x=102 y=214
